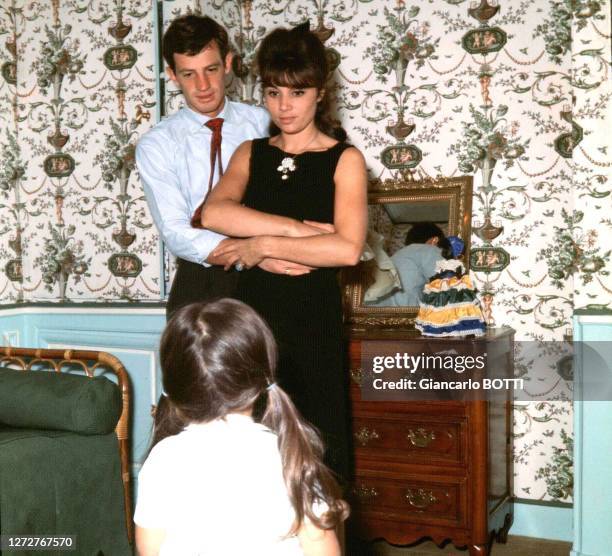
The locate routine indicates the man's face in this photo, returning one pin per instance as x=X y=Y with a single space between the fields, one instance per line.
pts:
x=201 y=78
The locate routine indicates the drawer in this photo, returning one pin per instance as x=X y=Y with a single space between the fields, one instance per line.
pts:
x=414 y=499
x=410 y=438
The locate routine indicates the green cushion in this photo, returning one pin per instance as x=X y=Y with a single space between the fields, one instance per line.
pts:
x=58 y=401
x=58 y=483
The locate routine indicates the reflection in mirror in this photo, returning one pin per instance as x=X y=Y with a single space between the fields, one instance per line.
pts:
x=406 y=241
x=384 y=289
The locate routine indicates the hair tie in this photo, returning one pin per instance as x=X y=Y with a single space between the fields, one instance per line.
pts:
x=270 y=386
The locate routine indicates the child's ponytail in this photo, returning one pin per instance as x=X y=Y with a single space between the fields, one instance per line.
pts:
x=167 y=421
x=309 y=482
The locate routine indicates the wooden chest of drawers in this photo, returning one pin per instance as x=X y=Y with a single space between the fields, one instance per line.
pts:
x=439 y=469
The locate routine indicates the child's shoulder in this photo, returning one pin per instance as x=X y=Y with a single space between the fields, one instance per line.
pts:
x=165 y=448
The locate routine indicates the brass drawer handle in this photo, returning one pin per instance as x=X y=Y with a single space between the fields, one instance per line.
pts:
x=421 y=498
x=365 y=493
x=421 y=438
x=357 y=376
x=364 y=435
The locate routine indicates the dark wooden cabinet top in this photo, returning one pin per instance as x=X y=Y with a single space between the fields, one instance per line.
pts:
x=492 y=334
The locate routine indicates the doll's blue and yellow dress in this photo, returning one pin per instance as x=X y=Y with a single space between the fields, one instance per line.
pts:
x=449 y=305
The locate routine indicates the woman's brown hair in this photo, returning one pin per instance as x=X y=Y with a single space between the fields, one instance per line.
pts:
x=296 y=58
x=219 y=358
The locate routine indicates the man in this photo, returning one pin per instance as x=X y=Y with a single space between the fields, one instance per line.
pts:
x=183 y=156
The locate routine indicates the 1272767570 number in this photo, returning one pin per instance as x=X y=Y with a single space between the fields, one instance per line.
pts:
x=10 y=543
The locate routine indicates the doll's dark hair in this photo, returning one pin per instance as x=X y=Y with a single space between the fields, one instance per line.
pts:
x=219 y=358
x=296 y=58
x=189 y=34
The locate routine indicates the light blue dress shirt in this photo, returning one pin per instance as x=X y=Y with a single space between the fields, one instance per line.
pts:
x=173 y=160
x=415 y=264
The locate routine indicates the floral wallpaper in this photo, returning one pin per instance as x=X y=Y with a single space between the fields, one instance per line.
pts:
x=515 y=92
x=77 y=89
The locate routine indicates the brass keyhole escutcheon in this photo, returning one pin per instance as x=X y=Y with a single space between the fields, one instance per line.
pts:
x=421 y=438
x=365 y=493
x=364 y=435
x=357 y=376
x=420 y=498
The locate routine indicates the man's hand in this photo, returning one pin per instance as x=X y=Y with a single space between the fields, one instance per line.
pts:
x=278 y=266
x=225 y=260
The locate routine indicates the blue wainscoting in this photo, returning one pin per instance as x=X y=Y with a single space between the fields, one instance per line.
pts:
x=592 y=436
x=543 y=521
x=130 y=332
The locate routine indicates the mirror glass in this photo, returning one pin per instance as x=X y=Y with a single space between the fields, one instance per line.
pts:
x=389 y=224
x=383 y=290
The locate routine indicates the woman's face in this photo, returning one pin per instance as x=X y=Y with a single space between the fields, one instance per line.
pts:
x=292 y=110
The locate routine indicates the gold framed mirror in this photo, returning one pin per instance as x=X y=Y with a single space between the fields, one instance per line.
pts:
x=394 y=206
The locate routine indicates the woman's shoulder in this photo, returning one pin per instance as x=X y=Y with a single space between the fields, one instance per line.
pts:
x=349 y=153
x=350 y=163
x=258 y=145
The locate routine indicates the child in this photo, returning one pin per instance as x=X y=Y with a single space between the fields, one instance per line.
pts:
x=449 y=306
x=216 y=482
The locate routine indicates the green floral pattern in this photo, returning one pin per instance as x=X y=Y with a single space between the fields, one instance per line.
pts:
x=557 y=27
x=558 y=474
x=401 y=40
x=574 y=253
x=62 y=257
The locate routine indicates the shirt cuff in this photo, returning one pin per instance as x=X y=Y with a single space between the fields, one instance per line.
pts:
x=205 y=243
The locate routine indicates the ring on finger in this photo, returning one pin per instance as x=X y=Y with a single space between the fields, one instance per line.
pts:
x=287 y=271
x=239 y=266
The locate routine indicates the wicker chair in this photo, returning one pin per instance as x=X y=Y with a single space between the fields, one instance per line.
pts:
x=92 y=363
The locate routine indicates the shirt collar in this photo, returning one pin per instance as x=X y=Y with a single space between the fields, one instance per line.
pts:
x=233 y=419
x=199 y=119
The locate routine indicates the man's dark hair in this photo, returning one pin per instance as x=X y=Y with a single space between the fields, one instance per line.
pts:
x=189 y=34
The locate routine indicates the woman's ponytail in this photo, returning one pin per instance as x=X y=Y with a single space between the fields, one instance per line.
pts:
x=309 y=482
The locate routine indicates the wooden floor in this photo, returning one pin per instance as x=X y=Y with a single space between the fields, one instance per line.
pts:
x=516 y=546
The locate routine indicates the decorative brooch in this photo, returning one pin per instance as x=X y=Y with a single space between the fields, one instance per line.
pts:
x=287 y=165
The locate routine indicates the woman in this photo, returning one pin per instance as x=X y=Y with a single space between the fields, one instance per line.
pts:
x=299 y=195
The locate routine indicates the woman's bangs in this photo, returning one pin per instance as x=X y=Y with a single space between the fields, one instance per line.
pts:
x=302 y=78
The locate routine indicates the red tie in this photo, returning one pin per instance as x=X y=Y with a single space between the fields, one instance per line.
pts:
x=215 y=126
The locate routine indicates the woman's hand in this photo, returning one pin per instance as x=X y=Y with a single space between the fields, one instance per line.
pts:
x=278 y=266
x=249 y=252
x=309 y=228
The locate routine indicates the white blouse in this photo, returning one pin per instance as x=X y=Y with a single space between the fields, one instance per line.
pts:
x=218 y=490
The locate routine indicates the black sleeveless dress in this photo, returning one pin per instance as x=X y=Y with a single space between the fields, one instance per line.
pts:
x=304 y=312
